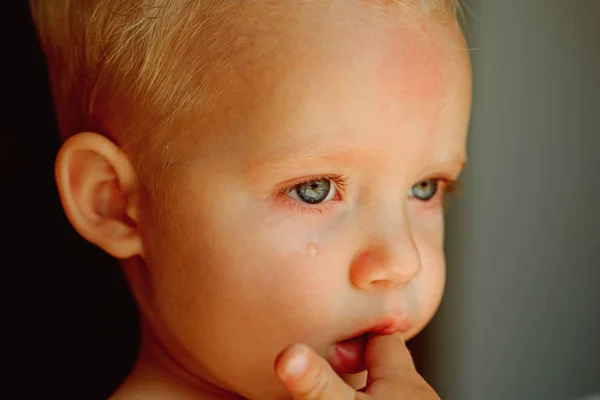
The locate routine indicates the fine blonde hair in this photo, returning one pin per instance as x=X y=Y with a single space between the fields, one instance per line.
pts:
x=127 y=67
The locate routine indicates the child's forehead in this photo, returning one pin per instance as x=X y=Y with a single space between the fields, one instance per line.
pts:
x=340 y=74
x=338 y=27
x=407 y=54
x=370 y=66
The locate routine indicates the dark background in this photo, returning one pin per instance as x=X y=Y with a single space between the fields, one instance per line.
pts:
x=72 y=328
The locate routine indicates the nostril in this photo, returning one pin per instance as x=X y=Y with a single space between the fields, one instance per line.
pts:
x=381 y=284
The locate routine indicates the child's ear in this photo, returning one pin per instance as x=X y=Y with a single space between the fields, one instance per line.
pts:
x=97 y=186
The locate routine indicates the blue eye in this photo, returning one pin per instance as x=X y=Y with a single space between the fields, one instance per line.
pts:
x=425 y=190
x=314 y=192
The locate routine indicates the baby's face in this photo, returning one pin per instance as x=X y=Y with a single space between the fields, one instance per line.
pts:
x=313 y=211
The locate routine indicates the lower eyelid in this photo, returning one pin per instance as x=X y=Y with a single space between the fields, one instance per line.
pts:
x=296 y=205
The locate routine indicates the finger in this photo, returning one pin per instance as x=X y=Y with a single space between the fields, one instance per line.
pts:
x=388 y=358
x=392 y=372
x=355 y=381
x=309 y=377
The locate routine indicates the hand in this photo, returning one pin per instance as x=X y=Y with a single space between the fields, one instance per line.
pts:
x=391 y=374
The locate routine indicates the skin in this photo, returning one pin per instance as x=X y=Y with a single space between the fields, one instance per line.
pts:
x=228 y=277
x=392 y=374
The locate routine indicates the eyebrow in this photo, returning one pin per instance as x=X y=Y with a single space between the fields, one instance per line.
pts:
x=296 y=158
x=293 y=157
x=314 y=153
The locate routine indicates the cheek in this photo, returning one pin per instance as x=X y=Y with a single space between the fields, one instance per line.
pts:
x=429 y=285
x=272 y=261
x=234 y=276
x=298 y=257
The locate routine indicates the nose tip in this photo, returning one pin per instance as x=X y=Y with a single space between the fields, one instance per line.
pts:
x=383 y=268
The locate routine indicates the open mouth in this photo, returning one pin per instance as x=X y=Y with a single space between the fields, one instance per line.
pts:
x=348 y=355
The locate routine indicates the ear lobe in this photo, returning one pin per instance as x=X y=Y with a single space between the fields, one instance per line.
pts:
x=97 y=186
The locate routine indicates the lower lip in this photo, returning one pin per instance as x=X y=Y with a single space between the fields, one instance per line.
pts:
x=348 y=357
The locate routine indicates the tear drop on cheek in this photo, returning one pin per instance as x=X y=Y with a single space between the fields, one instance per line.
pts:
x=312 y=249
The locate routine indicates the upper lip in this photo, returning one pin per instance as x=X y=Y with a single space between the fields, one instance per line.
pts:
x=384 y=326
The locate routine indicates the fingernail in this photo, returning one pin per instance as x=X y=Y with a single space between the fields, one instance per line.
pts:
x=297 y=363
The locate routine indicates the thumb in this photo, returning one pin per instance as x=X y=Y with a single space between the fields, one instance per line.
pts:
x=388 y=357
x=309 y=377
x=392 y=370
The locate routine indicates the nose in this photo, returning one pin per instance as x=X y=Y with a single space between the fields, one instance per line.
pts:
x=386 y=261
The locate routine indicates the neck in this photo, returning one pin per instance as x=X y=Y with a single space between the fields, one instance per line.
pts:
x=158 y=374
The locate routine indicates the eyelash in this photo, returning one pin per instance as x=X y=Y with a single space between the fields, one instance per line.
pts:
x=339 y=181
x=450 y=188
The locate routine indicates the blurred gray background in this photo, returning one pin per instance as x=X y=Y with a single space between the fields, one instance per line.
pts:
x=521 y=315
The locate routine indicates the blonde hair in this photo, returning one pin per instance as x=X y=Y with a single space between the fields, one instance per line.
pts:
x=126 y=67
